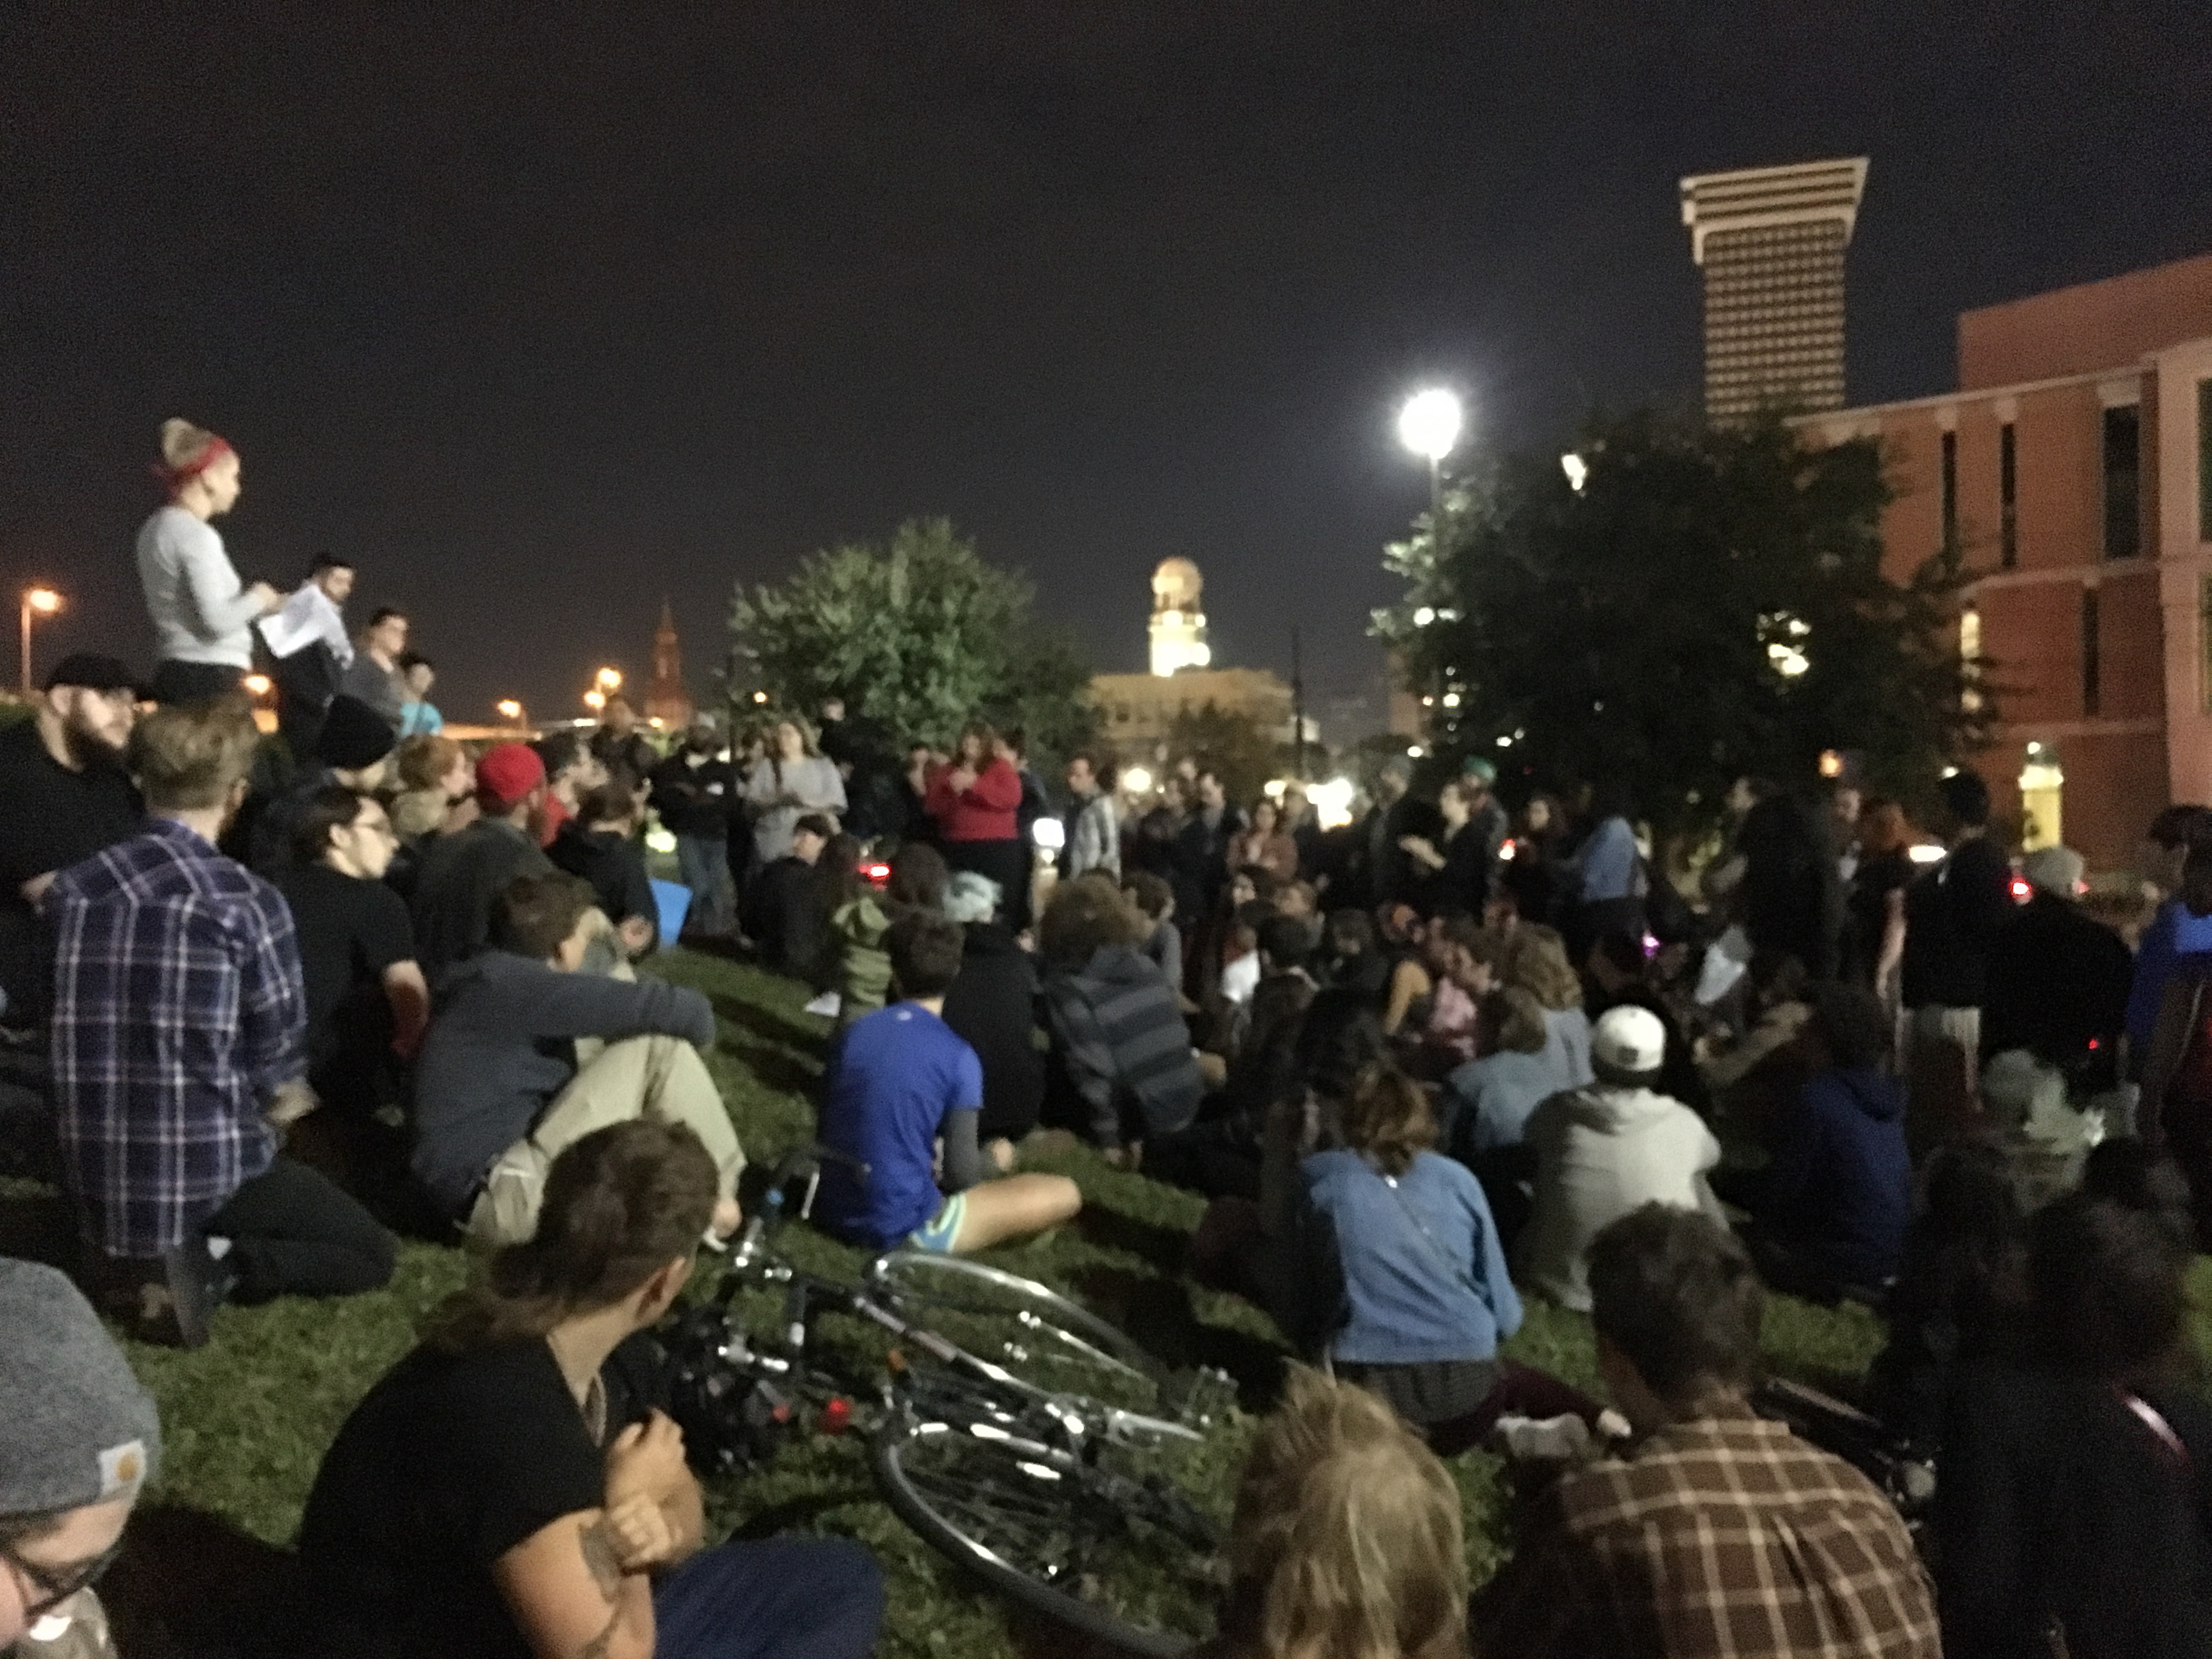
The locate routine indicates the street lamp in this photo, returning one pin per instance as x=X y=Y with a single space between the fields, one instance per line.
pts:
x=610 y=679
x=595 y=700
x=1429 y=425
x=509 y=709
x=38 y=601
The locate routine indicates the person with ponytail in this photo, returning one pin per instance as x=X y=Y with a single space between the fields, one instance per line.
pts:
x=513 y=1489
x=203 y=615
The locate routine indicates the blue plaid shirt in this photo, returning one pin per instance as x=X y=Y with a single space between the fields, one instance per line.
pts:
x=178 y=1011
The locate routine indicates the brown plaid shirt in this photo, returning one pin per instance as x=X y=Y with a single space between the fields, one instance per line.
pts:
x=1720 y=1539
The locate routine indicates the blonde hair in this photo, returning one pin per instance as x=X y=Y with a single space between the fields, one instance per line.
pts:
x=185 y=446
x=1389 y=1120
x=187 y=757
x=423 y=760
x=1535 y=960
x=1347 y=1538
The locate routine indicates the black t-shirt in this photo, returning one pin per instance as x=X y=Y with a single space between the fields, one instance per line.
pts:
x=350 y=930
x=448 y=1463
x=51 y=818
x=611 y=862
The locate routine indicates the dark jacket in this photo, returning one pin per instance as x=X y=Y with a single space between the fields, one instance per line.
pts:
x=696 y=801
x=994 y=1005
x=1951 y=914
x=2056 y=1499
x=1198 y=867
x=2058 y=986
x=454 y=886
x=1839 y=1189
x=1867 y=908
x=1121 y=1038
x=614 y=866
x=502 y=1044
x=787 y=917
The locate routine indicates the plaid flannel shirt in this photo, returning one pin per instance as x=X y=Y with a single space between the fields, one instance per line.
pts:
x=178 y=1011
x=1719 y=1538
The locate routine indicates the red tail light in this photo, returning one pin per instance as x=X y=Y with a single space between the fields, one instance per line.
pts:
x=2021 y=893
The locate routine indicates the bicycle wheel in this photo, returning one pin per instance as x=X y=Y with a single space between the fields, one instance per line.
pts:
x=1039 y=1335
x=1128 y=1562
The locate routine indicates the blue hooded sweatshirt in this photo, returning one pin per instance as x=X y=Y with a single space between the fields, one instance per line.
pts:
x=1839 y=1191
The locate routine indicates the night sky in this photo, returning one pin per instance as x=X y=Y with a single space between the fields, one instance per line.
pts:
x=540 y=312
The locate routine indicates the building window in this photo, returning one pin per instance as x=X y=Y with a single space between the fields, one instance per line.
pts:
x=2091 y=667
x=1950 y=492
x=2204 y=461
x=1970 y=654
x=2123 y=459
x=2008 y=498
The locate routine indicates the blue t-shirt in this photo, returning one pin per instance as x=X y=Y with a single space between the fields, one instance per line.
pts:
x=892 y=1077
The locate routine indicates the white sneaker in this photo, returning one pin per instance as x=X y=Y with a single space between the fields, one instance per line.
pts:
x=826 y=1004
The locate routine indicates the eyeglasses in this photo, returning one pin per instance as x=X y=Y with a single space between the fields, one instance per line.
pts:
x=55 y=1588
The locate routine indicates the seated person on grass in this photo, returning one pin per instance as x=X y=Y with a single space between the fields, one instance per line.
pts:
x=783 y=912
x=501 y=1087
x=1721 y=1535
x=600 y=845
x=514 y=1489
x=897 y=1083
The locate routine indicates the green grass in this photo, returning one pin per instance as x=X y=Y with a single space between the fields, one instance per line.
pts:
x=247 y=1417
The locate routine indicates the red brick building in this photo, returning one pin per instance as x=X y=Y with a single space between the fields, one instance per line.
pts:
x=2073 y=467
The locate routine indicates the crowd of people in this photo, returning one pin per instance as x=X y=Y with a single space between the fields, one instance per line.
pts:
x=270 y=999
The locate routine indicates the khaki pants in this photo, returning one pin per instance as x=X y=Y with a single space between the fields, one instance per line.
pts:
x=659 y=1078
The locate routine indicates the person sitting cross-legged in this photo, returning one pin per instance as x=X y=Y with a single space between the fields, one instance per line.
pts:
x=501 y=1086
x=1720 y=1535
x=514 y=1488
x=897 y=1083
x=179 y=1053
x=600 y=845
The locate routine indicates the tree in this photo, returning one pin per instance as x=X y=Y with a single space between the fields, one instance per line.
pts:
x=919 y=635
x=1710 y=604
x=1233 y=745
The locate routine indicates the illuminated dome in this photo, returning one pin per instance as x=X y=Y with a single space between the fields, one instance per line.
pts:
x=1177 y=585
x=1178 y=625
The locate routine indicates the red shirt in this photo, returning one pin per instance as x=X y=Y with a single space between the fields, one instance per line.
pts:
x=551 y=818
x=984 y=811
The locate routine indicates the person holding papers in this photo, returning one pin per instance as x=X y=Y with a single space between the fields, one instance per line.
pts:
x=307 y=637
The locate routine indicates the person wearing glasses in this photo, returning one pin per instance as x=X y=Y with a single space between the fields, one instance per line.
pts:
x=367 y=1002
x=79 y=1440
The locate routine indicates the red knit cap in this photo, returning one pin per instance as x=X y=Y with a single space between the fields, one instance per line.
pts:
x=508 y=771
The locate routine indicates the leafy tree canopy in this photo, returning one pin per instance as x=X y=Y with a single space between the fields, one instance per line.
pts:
x=918 y=635
x=1710 y=605
x=1230 y=744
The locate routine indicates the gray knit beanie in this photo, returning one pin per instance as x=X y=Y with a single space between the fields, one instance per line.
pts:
x=76 y=1428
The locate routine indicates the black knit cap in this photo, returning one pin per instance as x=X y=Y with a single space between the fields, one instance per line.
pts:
x=353 y=736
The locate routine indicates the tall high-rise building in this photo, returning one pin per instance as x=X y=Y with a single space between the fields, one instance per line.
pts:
x=667 y=700
x=1770 y=242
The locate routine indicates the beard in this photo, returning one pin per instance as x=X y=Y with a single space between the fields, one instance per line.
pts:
x=88 y=747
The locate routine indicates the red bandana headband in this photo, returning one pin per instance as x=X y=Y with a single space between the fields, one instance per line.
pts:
x=177 y=476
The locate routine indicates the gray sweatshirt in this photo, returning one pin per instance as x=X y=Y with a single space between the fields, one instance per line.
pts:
x=501 y=1045
x=201 y=611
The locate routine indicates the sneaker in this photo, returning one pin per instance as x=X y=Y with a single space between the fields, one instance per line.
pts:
x=196 y=1285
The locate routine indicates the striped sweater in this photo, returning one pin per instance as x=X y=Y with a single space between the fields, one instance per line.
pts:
x=1123 y=1041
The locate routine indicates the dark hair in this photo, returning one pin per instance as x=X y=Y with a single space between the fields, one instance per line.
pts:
x=1623 y=950
x=814 y=823
x=1264 y=882
x=2196 y=878
x=1340 y=1037
x=557 y=750
x=328 y=562
x=1967 y=797
x=384 y=613
x=1016 y=739
x=1853 y=1025
x=1286 y=942
x=1674 y=1293
x=533 y=915
x=411 y=660
x=1101 y=769
x=620 y=1205
x=1515 y=1021
x=333 y=806
x=1389 y=1119
x=612 y=802
x=918 y=876
x=1351 y=931
x=2108 y=1287
x=1777 y=977
x=924 y=951
x=837 y=873
x=2128 y=1172
x=1148 y=892
x=2180 y=826
x=1963 y=1252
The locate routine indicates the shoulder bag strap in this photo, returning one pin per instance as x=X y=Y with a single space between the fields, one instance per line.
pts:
x=1457 y=1269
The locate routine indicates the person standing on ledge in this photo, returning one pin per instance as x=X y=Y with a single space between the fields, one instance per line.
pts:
x=203 y=615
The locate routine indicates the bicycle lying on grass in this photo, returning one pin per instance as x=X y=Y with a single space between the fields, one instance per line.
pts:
x=1016 y=1433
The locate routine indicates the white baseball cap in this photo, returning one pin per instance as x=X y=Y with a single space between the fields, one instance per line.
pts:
x=1629 y=1043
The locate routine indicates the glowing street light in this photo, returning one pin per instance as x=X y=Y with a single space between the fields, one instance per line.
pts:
x=509 y=709
x=1577 y=469
x=1136 y=780
x=37 y=601
x=1429 y=425
x=610 y=679
x=595 y=700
